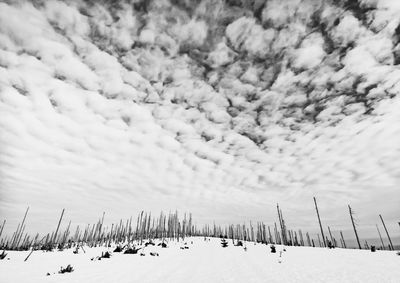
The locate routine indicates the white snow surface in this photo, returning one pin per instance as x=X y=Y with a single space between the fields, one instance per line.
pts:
x=206 y=262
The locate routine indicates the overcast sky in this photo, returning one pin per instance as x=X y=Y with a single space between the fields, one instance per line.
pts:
x=220 y=109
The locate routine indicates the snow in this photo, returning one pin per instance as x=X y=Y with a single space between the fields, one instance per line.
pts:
x=173 y=107
x=206 y=261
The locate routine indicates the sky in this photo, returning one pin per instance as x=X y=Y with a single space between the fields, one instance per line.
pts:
x=220 y=108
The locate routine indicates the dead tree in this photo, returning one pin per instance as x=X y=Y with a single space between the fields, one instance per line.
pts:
x=282 y=224
x=380 y=236
x=308 y=239
x=344 y=243
x=354 y=227
x=387 y=233
x=58 y=226
x=270 y=236
x=332 y=239
x=2 y=227
x=18 y=233
x=319 y=220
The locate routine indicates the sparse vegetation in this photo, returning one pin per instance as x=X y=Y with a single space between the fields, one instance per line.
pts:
x=166 y=227
x=67 y=269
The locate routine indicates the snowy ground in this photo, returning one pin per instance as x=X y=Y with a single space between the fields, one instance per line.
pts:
x=206 y=262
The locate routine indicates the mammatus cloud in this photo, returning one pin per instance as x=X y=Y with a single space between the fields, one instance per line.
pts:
x=219 y=107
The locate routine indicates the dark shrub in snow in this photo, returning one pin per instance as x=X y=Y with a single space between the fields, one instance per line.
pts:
x=239 y=244
x=132 y=250
x=47 y=247
x=149 y=243
x=68 y=269
x=106 y=255
x=118 y=249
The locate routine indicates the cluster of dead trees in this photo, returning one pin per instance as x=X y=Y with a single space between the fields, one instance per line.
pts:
x=170 y=227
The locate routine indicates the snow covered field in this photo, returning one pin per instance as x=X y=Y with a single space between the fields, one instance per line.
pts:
x=206 y=261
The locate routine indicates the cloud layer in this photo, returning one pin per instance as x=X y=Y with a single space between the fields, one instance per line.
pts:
x=223 y=108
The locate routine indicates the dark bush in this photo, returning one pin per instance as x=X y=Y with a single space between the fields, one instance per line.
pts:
x=239 y=244
x=68 y=269
x=106 y=255
x=132 y=250
x=118 y=249
x=149 y=243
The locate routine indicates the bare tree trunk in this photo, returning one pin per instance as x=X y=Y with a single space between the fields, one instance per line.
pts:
x=281 y=224
x=270 y=236
x=276 y=235
x=380 y=236
x=18 y=235
x=387 y=233
x=58 y=226
x=308 y=239
x=344 y=243
x=330 y=234
x=354 y=227
x=301 y=238
x=4 y=223
x=319 y=220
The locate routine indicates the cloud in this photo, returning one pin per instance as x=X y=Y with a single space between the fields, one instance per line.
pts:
x=310 y=54
x=219 y=109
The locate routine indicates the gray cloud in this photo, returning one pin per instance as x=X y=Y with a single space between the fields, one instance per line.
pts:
x=221 y=107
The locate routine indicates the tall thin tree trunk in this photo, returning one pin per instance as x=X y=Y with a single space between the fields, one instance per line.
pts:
x=344 y=243
x=387 y=233
x=58 y=226
x=2 y=227
x=319 y=220
x=330 y=234
x=19 y=229
x=380 y=236
x=354 y=227
x=283 y=233
x=270 y=236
